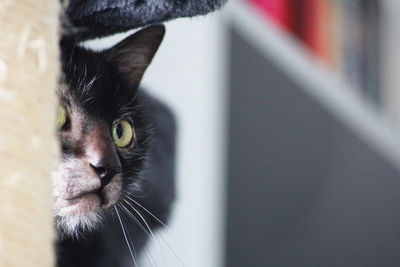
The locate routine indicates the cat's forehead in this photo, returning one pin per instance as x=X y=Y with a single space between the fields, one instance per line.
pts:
x=94 y=85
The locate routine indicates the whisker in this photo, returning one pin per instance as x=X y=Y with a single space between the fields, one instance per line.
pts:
x=170 y=249
x=146 y=210
x=158 y=220
x=149 y=257
x=148 y=227
x=131 y=250
x=140 y=215
x=147 y=254
x=136 y=220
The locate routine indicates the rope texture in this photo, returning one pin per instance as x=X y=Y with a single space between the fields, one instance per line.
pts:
x=29 y=68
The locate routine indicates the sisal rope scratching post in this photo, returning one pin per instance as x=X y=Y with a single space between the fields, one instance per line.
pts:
x=29 y=67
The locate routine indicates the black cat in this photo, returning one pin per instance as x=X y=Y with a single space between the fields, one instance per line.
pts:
x=114 y=183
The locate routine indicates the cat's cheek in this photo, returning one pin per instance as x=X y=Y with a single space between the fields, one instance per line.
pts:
x=112 y=192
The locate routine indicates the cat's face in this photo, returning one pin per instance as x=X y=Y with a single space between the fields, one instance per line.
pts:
x=102 y=130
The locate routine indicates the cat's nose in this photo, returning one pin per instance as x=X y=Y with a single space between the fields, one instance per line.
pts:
x=106 y=172
x=101 y=153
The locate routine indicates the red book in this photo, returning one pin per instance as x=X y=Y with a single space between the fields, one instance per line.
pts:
x=314 y=26
x=308 y=30
x=324 y=31
x=277 y=10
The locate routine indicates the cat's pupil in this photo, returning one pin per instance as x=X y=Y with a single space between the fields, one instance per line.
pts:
x=120 y=130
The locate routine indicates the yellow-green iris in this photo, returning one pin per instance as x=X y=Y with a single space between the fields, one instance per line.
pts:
x=122 y=133
x=61 y=117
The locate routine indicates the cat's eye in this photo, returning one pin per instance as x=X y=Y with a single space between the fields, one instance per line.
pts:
x=61 y=117
x=122 y=133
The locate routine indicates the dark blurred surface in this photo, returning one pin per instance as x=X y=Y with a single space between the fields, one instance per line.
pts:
x=302 y=189
x=89 y=19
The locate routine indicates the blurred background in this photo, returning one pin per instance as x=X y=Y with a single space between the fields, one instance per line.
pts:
x=288 y=114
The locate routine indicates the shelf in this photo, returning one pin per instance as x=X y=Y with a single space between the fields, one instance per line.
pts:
x=322 y=84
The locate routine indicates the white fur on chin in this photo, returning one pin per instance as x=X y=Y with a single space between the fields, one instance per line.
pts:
x=72 y=225
x=74 y=216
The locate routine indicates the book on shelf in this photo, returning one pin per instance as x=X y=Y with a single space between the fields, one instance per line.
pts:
x=315 y=27
x=353 y=42
x=390 y=59
x=277 y=10
x=371 y=12
x=338 y=35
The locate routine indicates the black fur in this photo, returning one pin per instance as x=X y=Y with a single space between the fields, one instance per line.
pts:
x=97 y=85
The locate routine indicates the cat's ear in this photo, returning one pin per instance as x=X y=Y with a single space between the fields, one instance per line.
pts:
x=132 y=55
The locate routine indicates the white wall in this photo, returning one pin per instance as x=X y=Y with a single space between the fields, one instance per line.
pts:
x=187 y=73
